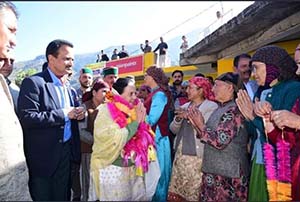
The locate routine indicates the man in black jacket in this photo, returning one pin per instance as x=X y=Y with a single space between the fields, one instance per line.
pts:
x=147 y=47
x=49 y=117
x=123 y=53
x=104 y=57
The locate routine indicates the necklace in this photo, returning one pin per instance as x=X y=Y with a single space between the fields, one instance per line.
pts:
x=140 y=149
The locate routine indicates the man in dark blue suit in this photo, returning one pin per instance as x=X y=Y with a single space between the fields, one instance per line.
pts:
x=49 y=120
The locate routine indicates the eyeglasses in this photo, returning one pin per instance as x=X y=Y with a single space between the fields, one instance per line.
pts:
x=254 y=67
x=193 y=87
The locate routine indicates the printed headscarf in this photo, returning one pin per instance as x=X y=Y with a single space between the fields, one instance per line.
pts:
x=205 y=85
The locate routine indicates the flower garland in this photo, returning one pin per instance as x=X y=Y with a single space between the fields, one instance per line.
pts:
x=122 y=113
x=278 y=173
x=140 y=149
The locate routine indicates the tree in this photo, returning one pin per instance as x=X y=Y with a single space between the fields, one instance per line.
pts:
x=23 y=74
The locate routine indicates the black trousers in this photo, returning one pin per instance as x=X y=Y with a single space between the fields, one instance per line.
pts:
x=75 y=182
x=58 y=186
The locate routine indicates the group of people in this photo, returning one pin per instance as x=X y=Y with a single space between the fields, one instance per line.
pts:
x=123 y=53
x=233 y=140
x=162 y=47
x=244 y=118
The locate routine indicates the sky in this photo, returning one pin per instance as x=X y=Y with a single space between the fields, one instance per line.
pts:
x=95 y=25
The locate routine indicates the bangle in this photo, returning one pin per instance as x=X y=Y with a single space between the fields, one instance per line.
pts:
x=178 y=119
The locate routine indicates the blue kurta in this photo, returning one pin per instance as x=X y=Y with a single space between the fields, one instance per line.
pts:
x=159 y=100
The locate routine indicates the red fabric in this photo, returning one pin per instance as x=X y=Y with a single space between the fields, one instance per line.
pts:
x=205 y=85
x=163 y=120
x=293 y=137
x=182 y=100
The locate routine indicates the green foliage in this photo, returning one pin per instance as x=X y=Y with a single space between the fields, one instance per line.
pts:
x=23 y=74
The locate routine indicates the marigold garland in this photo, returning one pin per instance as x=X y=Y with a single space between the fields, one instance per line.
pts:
x=270 y=165
x=140 y=149
x=278 y=173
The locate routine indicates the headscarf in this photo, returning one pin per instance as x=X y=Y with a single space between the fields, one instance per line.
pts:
x=159 y=77
x=279 y=64
x=97 y=85
x=272 y=72
x=234 y=79
x=162 y=81
x=205 y=85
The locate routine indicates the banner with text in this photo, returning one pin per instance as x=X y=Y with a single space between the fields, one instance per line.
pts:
x=128 y=65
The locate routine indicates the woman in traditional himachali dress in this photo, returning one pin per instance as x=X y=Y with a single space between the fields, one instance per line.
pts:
x=225 y=164
x=158 y=104
x=123 y=148
x=186 y=171
x=273 y=67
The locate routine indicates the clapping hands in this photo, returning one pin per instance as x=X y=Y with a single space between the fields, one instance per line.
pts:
x=195 y=117
x=245 y=105
x=140 y=112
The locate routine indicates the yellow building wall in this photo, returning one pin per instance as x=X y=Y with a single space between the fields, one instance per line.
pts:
x=213 y=75
x=226 y=64
x=289 y=46
x=149 y=60
x=97 y=65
